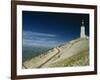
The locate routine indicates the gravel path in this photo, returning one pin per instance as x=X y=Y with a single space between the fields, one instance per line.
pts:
x=58 y=51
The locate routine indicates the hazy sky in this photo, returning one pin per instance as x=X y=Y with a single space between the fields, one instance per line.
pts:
x=50 y=29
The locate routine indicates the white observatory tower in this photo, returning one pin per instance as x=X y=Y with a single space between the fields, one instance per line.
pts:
x=82 y=32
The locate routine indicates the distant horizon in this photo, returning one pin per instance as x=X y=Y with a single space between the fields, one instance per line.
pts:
x=50 y=29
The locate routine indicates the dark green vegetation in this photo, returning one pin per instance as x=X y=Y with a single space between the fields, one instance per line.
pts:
x=31 y=52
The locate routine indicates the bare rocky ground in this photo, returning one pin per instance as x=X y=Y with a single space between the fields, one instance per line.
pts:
x=72 y=53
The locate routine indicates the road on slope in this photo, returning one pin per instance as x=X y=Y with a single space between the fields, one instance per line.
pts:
x=58 y=51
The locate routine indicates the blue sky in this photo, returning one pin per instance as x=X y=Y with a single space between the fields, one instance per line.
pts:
x=51 y=29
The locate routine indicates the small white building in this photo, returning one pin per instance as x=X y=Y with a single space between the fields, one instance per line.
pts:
x=82 y=31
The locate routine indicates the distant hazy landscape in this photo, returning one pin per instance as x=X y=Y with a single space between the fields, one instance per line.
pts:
x=30 y=52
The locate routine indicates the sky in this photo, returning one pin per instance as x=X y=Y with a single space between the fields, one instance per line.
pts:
x=51 y=28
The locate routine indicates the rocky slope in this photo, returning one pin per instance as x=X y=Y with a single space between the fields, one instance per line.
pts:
x=72 y=53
